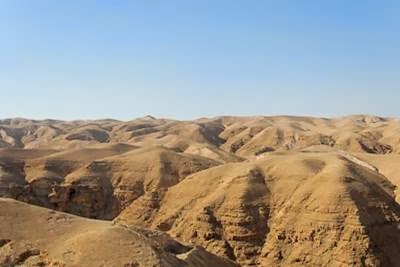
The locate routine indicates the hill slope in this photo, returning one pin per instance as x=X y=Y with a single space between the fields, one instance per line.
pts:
x=33 y=236
x=259 y=191
x=322 y=210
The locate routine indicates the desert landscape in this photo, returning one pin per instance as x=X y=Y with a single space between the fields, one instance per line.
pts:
x=199 y=133
x=222 y=191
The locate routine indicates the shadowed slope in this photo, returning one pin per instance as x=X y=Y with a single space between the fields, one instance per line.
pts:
x=33 y=236
x=285 y=209
x=99 y=181
x=263 y=191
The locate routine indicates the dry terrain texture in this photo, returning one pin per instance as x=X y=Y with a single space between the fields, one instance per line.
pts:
x=34 y=236
x=224 y=191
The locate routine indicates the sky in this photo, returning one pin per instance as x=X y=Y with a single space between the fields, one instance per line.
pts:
x=185 y=59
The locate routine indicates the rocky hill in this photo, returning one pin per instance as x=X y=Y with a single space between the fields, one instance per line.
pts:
x=33 y=236
x=253 y=191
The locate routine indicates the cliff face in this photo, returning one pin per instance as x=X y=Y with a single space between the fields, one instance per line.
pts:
x=258 y=191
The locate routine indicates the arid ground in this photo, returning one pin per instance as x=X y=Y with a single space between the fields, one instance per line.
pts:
x=223 y=191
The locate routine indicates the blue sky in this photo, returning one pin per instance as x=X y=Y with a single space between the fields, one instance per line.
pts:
x=186 y=59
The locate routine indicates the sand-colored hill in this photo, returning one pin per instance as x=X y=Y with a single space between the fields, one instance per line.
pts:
x=244 y=136
x=388 y=165
x=286 y=209
x=96 y=181
x=33 y=236
x=260 y=191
